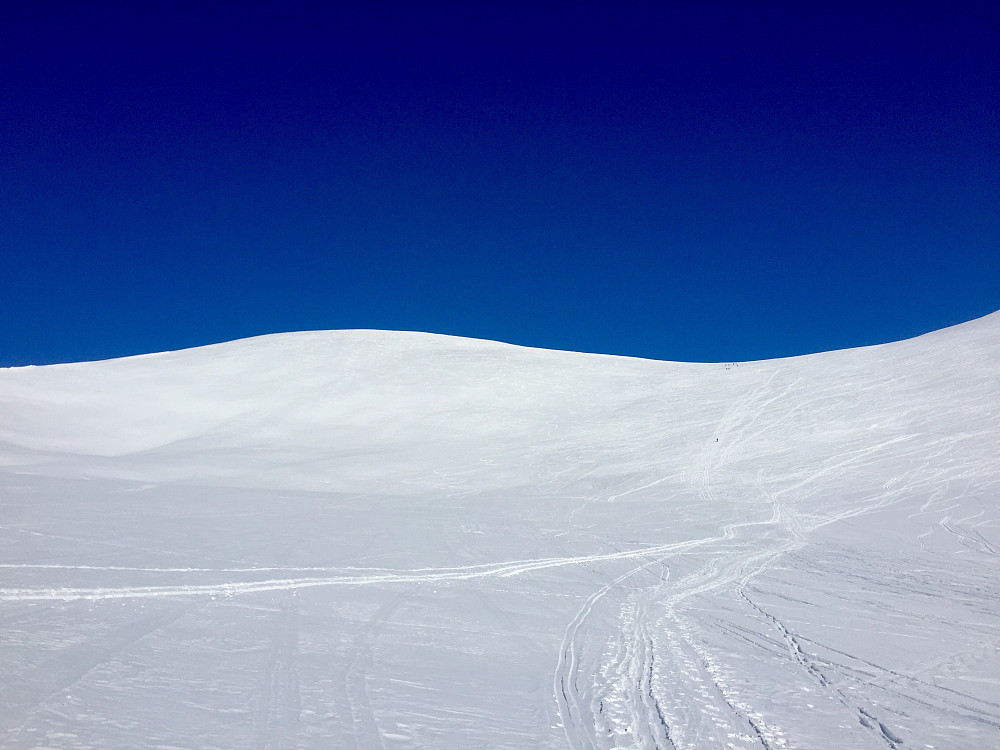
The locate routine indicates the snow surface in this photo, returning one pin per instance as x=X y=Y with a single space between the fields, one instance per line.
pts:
x=366 y=539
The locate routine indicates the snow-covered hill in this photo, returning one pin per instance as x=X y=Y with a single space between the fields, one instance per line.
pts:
x=362 y=539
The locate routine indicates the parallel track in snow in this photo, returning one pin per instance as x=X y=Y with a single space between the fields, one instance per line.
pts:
x=349 y=577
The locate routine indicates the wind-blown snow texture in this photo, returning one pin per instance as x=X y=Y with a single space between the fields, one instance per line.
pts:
x=363 y=539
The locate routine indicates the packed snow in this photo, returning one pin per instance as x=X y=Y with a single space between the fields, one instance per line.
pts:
x=369 y=539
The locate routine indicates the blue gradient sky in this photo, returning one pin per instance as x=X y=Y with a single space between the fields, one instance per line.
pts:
x=711 y=184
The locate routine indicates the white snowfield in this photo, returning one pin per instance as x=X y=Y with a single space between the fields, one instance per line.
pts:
x=367 y=539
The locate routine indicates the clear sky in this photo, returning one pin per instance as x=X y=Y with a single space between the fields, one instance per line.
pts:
x=710 y=184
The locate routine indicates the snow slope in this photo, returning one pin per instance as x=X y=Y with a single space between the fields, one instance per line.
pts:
x=367 y=539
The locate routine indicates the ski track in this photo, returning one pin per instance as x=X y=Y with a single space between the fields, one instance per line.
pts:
x=371 y=577
x=631 y=704
x=276 y=716
x=365 y=732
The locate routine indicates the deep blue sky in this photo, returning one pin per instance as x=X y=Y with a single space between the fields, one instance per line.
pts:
x=711 y=184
